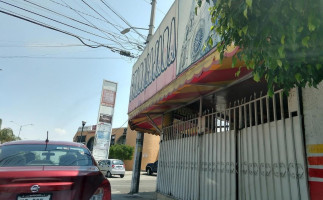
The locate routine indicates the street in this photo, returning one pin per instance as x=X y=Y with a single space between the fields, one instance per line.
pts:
x=120 y=187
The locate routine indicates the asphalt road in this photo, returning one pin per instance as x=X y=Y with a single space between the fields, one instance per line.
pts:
x=120 y=187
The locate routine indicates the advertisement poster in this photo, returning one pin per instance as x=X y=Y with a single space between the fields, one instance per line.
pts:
x=104 y=124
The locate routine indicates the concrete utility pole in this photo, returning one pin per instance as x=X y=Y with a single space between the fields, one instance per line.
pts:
x=152 y=20
x=140 y=136
x=137 y=164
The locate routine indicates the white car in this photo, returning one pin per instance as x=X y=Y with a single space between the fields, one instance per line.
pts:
x=112 y=167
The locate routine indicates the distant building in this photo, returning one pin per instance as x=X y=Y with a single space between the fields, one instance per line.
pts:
x=123 y=136
x=87 y=137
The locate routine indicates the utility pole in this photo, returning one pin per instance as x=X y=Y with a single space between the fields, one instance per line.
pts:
x=152 y=20
x=137 y=164
x=140 y=136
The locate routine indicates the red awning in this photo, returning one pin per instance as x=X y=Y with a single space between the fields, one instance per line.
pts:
x=203 y=77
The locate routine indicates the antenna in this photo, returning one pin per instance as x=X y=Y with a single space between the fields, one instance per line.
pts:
x=47 y=138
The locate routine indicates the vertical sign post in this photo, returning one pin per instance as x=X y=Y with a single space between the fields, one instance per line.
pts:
x=104 y=125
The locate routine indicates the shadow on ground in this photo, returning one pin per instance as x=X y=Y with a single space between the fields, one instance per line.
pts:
x=146 y=174
x=141 y=195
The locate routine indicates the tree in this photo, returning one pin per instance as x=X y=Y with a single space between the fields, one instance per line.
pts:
x=7 y=135
x=281 y=40
x=121 y=151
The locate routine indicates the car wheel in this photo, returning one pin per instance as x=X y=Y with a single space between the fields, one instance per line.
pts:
x=149 y=171
x=109 y=175
x=121 y=175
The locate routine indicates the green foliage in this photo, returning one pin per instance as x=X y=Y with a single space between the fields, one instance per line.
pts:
x=281 y=40
x=121 y=152
x=6 y=135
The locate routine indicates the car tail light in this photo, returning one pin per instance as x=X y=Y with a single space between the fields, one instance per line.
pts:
x=113 y=166
x=103 y=192
x=124 y=166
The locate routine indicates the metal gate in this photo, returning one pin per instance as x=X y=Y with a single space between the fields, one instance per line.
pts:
x=252 y=150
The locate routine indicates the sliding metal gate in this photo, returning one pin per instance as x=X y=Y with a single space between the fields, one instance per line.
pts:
x=253 y=150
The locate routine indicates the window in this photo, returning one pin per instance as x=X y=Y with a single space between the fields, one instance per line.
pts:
x=39 y=155
x=117 y=162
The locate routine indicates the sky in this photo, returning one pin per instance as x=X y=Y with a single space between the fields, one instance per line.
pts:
x=49 y=79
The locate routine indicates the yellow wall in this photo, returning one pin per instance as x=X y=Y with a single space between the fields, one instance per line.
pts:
x=149 y=152
x=88 y=134
x=118 y=133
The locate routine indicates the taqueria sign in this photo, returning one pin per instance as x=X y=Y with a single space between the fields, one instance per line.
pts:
x=177 y=43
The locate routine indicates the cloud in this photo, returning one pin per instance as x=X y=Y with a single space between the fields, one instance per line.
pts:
x=60 y=131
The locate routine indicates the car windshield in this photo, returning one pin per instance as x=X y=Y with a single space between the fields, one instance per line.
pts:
x=39 y=155
x=117 y=162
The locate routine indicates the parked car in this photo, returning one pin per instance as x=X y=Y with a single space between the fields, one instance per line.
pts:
x=50 y=171
x=112 y=167
x=152 y=168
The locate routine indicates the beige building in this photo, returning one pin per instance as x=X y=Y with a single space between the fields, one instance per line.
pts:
x=87 y=136
x=123 y=136
x=150 y=148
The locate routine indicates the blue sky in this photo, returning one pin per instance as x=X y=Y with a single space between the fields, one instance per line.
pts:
x=55 y=88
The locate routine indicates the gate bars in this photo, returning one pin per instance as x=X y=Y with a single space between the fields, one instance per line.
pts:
x=251 y=150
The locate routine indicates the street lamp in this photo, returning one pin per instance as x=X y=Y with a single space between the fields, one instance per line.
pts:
x=83 y=124
x=21 y=126
x=128 y=29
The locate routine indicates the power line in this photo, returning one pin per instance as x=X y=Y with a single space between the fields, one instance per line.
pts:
x=95 y=26
x=99 y=14
x=125 y=21
x=53 y=20
x=58 y=57
x=119 y=127
x=43 y=46
x=113 y=49
x=86 y=14
x=122 y=34
x=92 y=26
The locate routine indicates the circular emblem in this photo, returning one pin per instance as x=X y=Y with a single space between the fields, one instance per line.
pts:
x=34 y=188
x=197 y=41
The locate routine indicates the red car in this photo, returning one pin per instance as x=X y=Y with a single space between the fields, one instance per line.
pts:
x=40 y=170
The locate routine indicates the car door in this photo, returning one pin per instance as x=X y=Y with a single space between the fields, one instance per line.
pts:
x=108 y=165
x=103 y=166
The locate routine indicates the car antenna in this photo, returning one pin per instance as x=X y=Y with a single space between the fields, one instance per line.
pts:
x=46 y=141
x=47 y=138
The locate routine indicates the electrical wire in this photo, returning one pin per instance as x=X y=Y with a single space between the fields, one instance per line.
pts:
x=42 y=46
x=130 y=41
x=125 y=21
x=92 y=26
x=113 y=49
x=65 y=24
x=54 y=20
x=58 y=57
x=87 y=14
x=119 y=127
x=95 y=26
x=99 y=14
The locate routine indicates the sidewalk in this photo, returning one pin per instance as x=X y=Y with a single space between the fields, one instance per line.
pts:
x=140 y=195
x=120 y=187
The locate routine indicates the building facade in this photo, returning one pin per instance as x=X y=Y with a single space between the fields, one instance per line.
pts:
x=221 y=136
